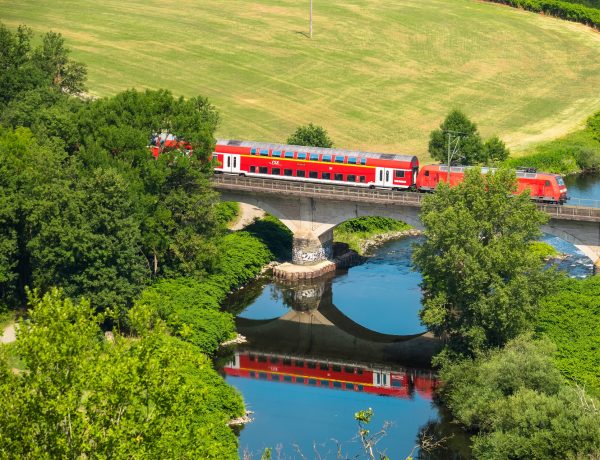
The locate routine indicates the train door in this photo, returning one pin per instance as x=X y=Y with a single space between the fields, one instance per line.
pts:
x=231 y=163
x=384 y=177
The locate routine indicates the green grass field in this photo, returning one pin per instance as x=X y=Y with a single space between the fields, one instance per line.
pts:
x=377 y=74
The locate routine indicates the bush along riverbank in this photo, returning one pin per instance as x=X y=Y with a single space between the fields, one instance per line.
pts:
x=574 y=153
x=364 y=233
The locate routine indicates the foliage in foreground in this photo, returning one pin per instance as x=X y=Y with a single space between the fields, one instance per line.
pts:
x=81 y=395
x=481 y=281
x=355 y=232
x=520 y=405
x=570 y=317
x=191 y=307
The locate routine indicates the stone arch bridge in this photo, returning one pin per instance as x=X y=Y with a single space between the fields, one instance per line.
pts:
x=311 y=211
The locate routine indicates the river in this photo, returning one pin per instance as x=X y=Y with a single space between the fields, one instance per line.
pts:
x=320 y=351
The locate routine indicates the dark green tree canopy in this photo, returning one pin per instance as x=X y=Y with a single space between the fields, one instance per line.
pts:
x=470 y=149
x=481 y=282
x=494 y=150
x=310 y=135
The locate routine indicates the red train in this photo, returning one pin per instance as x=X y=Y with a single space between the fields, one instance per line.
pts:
x=360 y=169
x=335 y=375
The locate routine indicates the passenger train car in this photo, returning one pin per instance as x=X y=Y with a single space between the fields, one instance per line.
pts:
x=313 y=164
x=401 y=383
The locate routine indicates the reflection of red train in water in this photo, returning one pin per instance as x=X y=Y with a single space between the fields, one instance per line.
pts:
x=330 y=374
x=360 y=169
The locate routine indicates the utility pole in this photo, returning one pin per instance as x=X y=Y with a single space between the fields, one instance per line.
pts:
x=452 y=151
x=310 y=33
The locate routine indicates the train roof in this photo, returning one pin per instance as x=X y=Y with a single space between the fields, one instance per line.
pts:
x=485 y=170
x=321 y=150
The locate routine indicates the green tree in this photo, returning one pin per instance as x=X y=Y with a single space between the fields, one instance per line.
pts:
x=519 y=405
x=310 y=135
x=481 y=281
x=470 y=150
x=82 y=395
x=494 y=150
x=84 y=237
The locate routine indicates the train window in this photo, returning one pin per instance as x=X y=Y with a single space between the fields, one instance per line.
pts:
x=300 y=173
x=252 y=168
x=397 y=383
x=338 y=177
x=276 y=171
x=275 y=377
x=324 y=366
x=380 y=176
x=349 y=370
x=287 y=362
x=351 y=160
x=252 y=374
x=314 y=157
x=337 y=384
x=287 y=378
x=274 y=360
x=276 y=153
x=312 y=381
x=324 y=383
x=263 y=170
x=287 y=172
x=360 y=371
x=363 y=161
x=311 y=365
x=326 y=176
x=253 y=151
x=547 y=183
x=339 y=159
x=264 y=152
x=262 y=375
x=351 y=178
x=262 y=359
x=336 y=368
x=301 y=156
x=299 y=363
x=326 y=158
x=289 y=154
x=362 y=179
x=360 y=388
x=252 y=357
x=349 y=386
x=313 y=174
x=398 y=173
x=426 y=173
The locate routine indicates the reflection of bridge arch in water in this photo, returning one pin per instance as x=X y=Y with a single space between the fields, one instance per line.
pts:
x=316 y=327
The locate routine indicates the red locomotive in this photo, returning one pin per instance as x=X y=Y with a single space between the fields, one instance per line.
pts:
x=335 y=375
x=543 y=187
x=360 y=169
x=161 y=141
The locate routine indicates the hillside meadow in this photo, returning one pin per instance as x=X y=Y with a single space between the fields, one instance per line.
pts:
x=378 y=75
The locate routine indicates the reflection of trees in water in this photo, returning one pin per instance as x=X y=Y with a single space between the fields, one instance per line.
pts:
x=584 y=182
x=443 y=439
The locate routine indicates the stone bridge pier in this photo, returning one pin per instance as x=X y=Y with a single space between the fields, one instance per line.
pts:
x=312 y=220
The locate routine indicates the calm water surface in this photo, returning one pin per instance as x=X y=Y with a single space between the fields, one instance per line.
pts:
x=584 y=190
x=366 y=304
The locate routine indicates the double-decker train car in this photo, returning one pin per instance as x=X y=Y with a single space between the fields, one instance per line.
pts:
x=161 y=141
x=313 y=164
x=331 y=374
x=543 y=187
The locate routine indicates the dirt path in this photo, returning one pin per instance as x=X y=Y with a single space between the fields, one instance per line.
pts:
x=247 y=215
x=8 y=335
